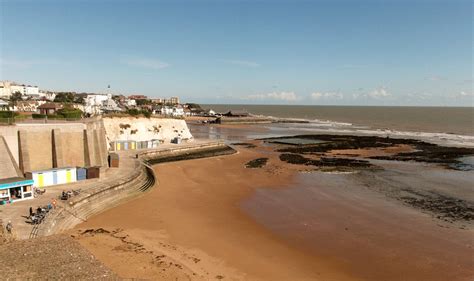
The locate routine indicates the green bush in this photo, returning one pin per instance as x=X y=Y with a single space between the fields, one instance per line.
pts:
x=38 y=116
x=146 y=113
x=70 y=113
x=133 y=112
x=55 y=116
x=7 y=114
x=21 y=117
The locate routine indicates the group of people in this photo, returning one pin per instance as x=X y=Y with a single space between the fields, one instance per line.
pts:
x=38 y=216
x=65 y=195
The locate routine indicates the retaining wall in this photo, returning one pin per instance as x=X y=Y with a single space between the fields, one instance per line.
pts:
x=106 y=195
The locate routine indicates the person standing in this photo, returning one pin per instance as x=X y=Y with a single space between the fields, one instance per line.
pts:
x=9 y=227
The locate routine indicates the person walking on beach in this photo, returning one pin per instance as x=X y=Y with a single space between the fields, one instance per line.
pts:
x=9 y=227
x=31 y=211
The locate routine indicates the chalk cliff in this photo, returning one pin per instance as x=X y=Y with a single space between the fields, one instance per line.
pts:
x=145 y=129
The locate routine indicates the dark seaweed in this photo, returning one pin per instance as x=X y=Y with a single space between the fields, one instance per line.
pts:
x=446 y=208
x=245 y=144
x=426 y=152
x=256 y=163
x=324 y=161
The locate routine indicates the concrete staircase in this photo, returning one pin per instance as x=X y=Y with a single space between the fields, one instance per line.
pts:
x=84 y=208
x=133 y=179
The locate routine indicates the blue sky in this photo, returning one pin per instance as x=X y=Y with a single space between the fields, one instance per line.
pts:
x=255 y=52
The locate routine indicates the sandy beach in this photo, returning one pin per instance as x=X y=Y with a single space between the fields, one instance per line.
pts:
x=194 y=214
x=212 y=219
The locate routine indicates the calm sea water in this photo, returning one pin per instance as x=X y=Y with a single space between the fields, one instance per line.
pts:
x=451 y=120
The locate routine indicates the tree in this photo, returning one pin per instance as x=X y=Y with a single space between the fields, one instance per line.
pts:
x=15 y=98
x=146 y=113
x=64 y=97
x=143 y=102
x=79 y=99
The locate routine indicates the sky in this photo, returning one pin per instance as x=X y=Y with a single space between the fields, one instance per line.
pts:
x=339 y=52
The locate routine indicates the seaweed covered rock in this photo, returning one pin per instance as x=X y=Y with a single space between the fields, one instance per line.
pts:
x=256 y=163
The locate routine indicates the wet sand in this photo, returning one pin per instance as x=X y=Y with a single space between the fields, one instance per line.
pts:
x=212 y=219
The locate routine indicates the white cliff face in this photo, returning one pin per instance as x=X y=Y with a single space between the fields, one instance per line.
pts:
x=145 y=129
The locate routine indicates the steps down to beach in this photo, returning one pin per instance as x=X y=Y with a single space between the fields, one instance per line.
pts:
x=133 y=179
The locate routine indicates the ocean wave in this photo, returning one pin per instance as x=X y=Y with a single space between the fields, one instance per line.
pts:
x=330 y=123
x=437 y=138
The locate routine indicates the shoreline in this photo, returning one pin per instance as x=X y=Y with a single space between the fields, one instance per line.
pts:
x=237 y=216
x=297 y=128
x=399 y=118
x=211 y=224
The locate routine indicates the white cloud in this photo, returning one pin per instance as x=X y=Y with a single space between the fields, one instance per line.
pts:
x=145 y=63
x=463 y=94
x=379 y=93
x=328 y=95
x=242 y=63
x=281 y=96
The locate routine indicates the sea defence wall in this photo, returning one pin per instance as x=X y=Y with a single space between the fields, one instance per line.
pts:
x=137 y=178
x=45 y=146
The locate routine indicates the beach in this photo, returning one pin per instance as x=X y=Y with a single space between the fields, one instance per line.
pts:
x=212 y=219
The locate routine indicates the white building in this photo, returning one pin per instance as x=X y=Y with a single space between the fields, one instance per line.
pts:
x=7 y=88
x=95 y=102
x=110 y=106
x=175 y=111
x=130 y=102
x=47 y=95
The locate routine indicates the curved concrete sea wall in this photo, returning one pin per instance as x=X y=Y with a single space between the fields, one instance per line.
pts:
x=105 y=195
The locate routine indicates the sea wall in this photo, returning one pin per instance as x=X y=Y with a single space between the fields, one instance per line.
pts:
x=137 y=177
x=54 y=145
x=145 y=129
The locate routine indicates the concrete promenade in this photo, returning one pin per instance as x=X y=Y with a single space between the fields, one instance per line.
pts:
x=115 y=185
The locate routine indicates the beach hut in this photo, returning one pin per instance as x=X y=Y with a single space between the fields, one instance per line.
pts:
x=81 y=173
x=93 y=172
x=53 y=176
x=142 y=144
x=117 y=145
x=113 y=160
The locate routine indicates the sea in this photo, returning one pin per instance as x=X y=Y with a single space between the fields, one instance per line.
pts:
x=444 y=125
